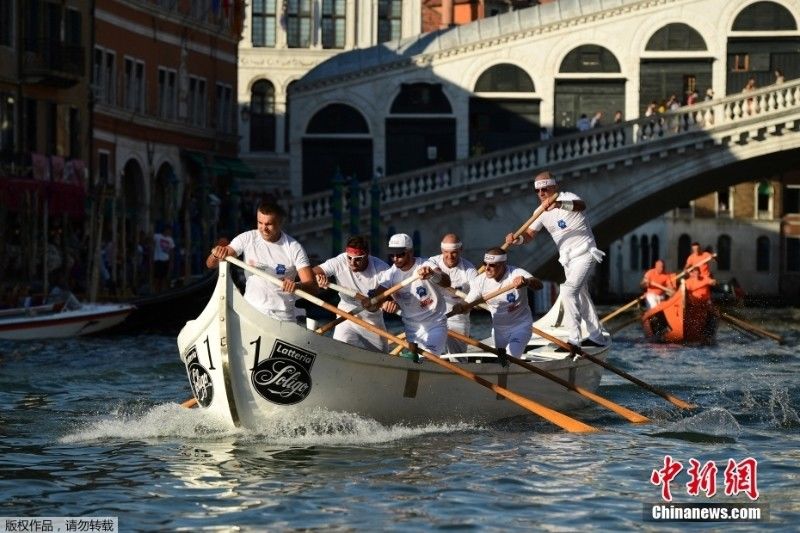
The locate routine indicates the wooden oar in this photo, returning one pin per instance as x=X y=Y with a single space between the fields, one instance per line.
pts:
x=188 y=404
x=669 y=397
x=561 y=420
x=536 y=214
x=375 y=300
x=486 y=297
x=631 y=416
x=625 y=325
x=621 y=309
x=752 y=328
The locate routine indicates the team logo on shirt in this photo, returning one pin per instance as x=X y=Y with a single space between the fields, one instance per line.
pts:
x=280 y=269
x=421 y=291
x=511 y=298
x=285 y=376
x=562 y=224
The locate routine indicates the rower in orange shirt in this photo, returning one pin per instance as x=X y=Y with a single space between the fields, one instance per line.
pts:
x=698 y=287
x=652 y=279
x=696 y=257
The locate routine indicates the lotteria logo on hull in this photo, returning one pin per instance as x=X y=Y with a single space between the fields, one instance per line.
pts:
x=285 y=376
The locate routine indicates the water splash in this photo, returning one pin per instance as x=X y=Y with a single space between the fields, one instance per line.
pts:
x=314 y=427
x=713 y=425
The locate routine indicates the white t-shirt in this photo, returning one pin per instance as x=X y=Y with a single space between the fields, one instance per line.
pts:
x=162 y=246
x=461 y=276
x=568 y=228
x=510 y=308
x=281 y=259
x=364 y=282
x=421 y=302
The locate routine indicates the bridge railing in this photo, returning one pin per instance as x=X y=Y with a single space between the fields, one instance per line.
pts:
x=414 y=189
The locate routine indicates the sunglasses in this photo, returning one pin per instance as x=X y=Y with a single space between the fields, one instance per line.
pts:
x=543 y=189
x=356 y=257
x=394 y=256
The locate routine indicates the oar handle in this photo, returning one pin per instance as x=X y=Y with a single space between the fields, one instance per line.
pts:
x=686 y=270
x=536 y=214
x=352 y=293
x=664 y=288
x=669 y=397
x=551 y=415
x=489 y=296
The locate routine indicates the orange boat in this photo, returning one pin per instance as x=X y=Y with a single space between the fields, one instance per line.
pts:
x=678 y=320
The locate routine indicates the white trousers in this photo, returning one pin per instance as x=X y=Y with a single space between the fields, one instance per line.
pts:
x=577 y=303
x=455 y=345
x=653 y=299
x=355 y=335
x=513 y=338
x=430 y=337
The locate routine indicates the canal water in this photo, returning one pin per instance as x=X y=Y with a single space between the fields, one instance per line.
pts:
x=92 y=427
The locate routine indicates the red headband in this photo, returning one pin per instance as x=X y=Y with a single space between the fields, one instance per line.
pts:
x=355 y=252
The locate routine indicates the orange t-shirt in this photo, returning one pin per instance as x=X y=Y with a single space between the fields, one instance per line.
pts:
x=662 y=279
x=699 y=289
x=693 y=259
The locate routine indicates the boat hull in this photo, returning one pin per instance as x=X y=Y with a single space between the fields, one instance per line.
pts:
x=246 y=368
x=90 y=318
x=677 y=320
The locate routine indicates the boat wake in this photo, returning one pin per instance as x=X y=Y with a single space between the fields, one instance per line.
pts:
x=314 y=427
x=715 y=425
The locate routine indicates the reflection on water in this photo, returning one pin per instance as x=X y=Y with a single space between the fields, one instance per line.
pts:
x=91 y=427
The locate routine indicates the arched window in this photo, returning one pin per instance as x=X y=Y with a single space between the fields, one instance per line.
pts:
x=724 y=252
x=504 y=78
x=421 y=98
x=337 y=118
x=764 y=16
x=684 y=249
x=634 y=261
x=644 y=248
x=262 y=116
x=655 y=253
x=677 y=36
x=762 y=254
x=590 y=58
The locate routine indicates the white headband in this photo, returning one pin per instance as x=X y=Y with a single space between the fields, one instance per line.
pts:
x=546 y=182
x=450 y=246
x=492 y=258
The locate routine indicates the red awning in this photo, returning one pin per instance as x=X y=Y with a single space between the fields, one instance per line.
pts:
x=62 y=198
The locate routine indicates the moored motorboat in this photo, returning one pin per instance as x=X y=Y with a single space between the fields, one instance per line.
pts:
x=245 y=367
x=57 y=322
x=680 y=320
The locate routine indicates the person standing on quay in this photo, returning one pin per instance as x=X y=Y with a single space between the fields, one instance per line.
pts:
x=564 y=219
x=163 y=245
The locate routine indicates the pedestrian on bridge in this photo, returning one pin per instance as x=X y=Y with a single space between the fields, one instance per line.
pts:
x=564 y=219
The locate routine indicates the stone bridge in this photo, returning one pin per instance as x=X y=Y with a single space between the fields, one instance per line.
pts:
x=628 y=174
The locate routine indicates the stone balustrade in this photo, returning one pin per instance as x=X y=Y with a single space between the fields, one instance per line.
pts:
x=428 y=188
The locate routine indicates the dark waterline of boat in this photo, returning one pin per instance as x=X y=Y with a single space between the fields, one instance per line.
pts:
x=91 y=427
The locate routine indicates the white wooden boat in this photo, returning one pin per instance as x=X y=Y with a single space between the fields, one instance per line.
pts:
x=52 y=322
x=245 y=367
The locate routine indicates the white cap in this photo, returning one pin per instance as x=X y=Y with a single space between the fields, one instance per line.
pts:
x=543 y=182
x=400 y=242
